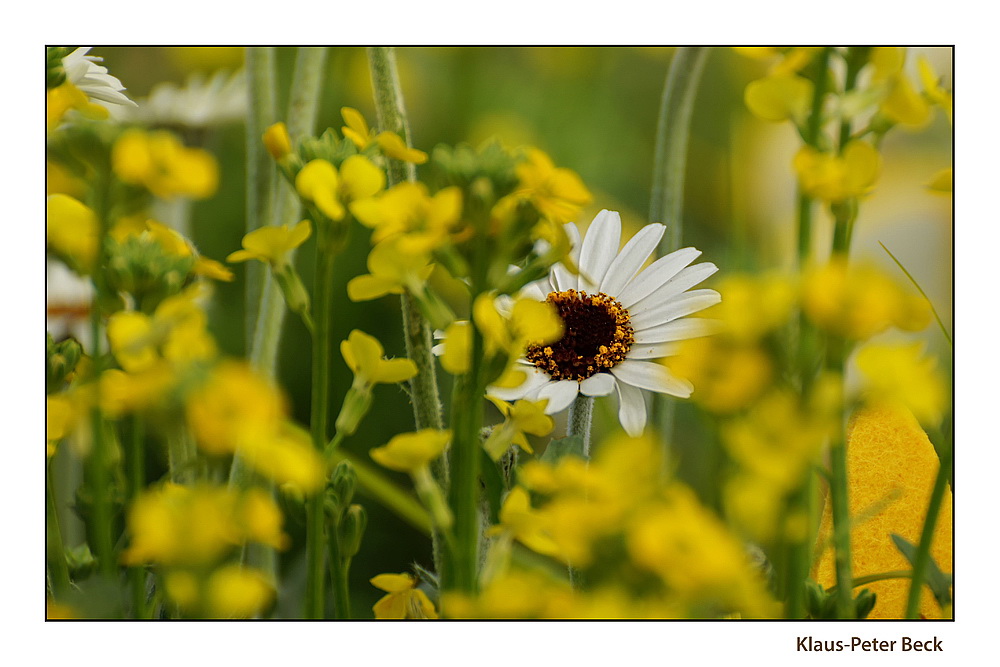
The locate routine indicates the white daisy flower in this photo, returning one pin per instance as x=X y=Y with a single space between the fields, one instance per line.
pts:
x=618 y=320
x=93 y=79
x=201 y=102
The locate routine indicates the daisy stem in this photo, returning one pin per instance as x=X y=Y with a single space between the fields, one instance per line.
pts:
x=581 y=412
x=666 y=205
x=424 y=392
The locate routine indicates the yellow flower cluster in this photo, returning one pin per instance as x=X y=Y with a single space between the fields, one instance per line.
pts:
x=859 y=302
x=614 y=520
x=189 y=531
x=159 y=162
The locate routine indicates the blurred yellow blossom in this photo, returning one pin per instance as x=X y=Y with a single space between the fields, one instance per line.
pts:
x=64 y=97
x=237 y=592
x=901 y=373
x=522 y=523
x=356 y=129
x=71 y=232
x=395 y=265
x=727 y=376
x=891 y=467
x=158 y=161
x=392 y=145
x=272 y=244
x=234 y=406
x=779 y=97
x=860 y=301
x=404 y=599
x=285 y=456
x=932 y=87
x=277 y=141
x=557 y=193
x=942 y=181
x=832 y=177
x=198 y=525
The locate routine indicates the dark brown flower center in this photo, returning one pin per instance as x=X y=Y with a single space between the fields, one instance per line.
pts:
x=597 y=336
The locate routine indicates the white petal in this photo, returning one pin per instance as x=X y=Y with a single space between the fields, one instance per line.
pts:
x=600 y=246
x=651 y=376
x=535 y=380
x=560 y=395
x=631 y=409
x=534 y=291
x=630 y=259
x=657 y=273
x=559 y=277
x=684 y=280
x=438 y=350
x=599 y=384
x=647 y=351
x=671 y=309
x=691 y=327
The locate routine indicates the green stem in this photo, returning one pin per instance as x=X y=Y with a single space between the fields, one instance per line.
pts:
x=261 y=177
x=880 y=576
x=136 y=465
x=339 y=567
x=316 y=524
x=55 y=550
x=839 y=494
x=581 y=413
x=424 y=392
x=666 y=205
x=923 y=555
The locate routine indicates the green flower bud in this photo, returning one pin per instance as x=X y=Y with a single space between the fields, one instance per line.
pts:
x=295 y=293
x=351 y=530
x=343 y=482
x=864 y=603
x=60 y=362
x=356 y=405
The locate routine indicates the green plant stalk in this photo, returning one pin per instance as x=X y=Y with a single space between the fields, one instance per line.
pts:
x=381 y=488
x=315 y=521
x=666 y=205
x=922 y=293
x=136 y=470
x=98 y=460
x=424 y=392
x=839 y=493
x=581 y=413
x=880 y=576
x=55 y=550
x=923 y=555
x=261 y=176
x=339 y=567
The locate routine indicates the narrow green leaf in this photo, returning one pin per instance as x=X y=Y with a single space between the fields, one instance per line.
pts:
x=922 y=293
x=568 y=446
x=938 y=581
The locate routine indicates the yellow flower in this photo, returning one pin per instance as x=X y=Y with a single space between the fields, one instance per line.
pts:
x=411 y=452
x=557 y=193
x=237 y=592
x=64 y=97
x=123 y=392
x=392 y=145
x=779 y=97
x=528 y=322
x=233 y=407
x=277 y=141
x=456 y=348
x=889 y=457
x=198 y=525
x=524 y=523
x=71 y=231
x=357 y=128
x=726 y=376
x=159 y=162
x=932 y=87
x=860 y=302
x=395 y=265
x=320 y=182
x=904 y=104
x=900 y=373
x=407 y=207
x=521 y=417
x=404 y=599
x=285 y=457
x=272 y=244
x=364 y=356
x=836 y=177
x=942 y=181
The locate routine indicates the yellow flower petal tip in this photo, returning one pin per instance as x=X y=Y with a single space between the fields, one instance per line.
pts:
x=277 y=141
x=889 y=457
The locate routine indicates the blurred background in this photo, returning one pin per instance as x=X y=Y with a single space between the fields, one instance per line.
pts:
x=593 y=110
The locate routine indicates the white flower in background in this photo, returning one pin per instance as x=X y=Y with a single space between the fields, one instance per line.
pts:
x=67 y=304
x=93 y=79
x=618 y=319
x=201 y=102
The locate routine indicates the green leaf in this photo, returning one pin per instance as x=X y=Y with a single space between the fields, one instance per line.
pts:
x=569 y=446
x=938 y=581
